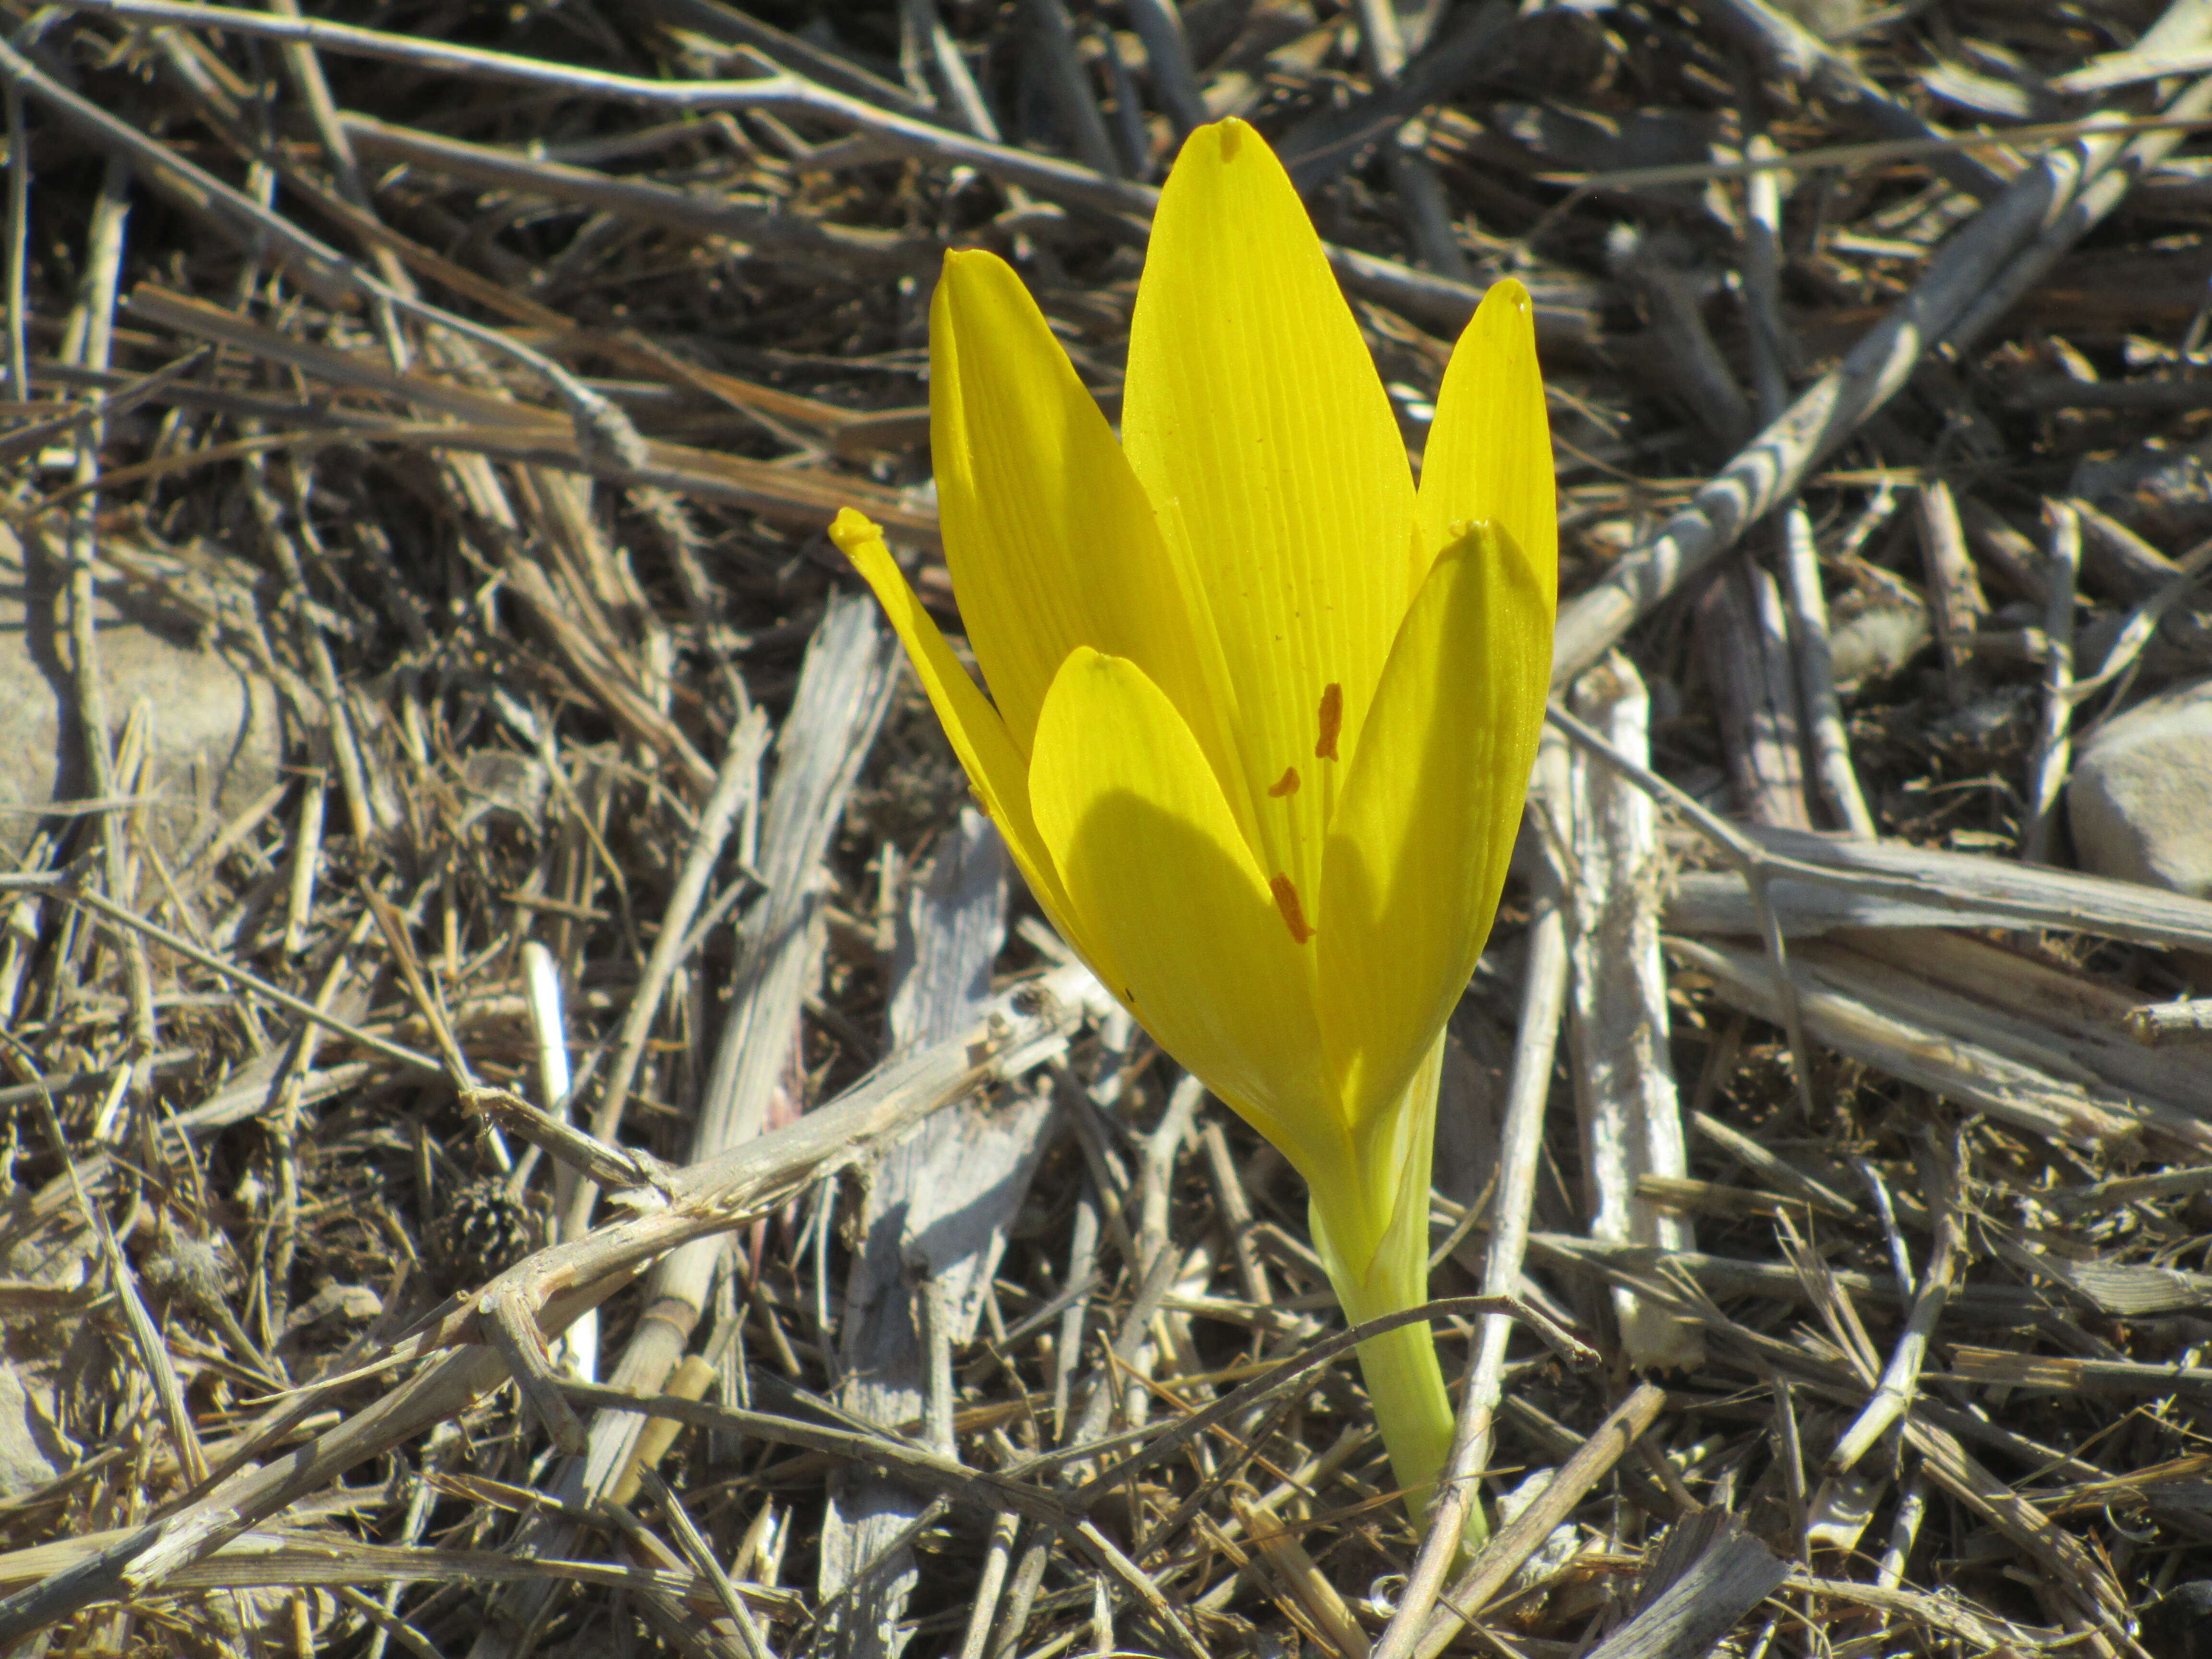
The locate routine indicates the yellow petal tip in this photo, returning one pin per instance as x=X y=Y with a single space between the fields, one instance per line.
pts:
x=1230 y=140
x=855 y=533
x=968 y=261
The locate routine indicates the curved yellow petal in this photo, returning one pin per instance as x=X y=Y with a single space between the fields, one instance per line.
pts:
x=1253 y=415
x=1051 y=539
x=1489 y=454
x=1152 y=861
x=994 y=766
x=1418 y=849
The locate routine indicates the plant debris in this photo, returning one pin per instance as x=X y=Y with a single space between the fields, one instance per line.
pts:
x=540 y=1119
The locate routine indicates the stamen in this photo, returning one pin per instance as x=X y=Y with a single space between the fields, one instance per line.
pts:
x=1294 y=913
x=1286 y=785
x=1332 y=720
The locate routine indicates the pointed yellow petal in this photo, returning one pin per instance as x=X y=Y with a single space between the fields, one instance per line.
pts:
x=995 y=767
x=1418 y=849
x=1255 y=419
x=1051 y=540
x=1489 y=454
x=1152 y=862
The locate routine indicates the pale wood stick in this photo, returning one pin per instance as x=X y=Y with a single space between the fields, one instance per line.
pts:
x=2116 y=560
x=1756 y=867
x=1625 y=1094
x=2054 y=743
x=1892 y=1395
x=1762 y=280
x=1787 y=49
x=1745 y=641
x=932 y=1222
x=2171 y=1021
x=1954 y=591
x=1623 y=1426
x=1175 y=81
x=87 y=342
x=1827 y=743
x=1074 y=96
x=1816 y=681
x=1706 y=1574
x=1817 y=883
x=1970 y=1074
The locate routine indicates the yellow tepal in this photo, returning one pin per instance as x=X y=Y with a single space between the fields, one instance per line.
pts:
x=1261 y=712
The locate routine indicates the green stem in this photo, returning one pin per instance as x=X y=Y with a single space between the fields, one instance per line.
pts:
x=1370 y=1225
x=1412 y=1409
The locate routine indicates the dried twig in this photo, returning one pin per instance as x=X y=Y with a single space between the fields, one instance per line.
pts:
x=1624 y=1093
x=1977 y=274
x=1504 y=1554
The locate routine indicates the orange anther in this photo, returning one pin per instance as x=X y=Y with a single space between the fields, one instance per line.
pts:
x=1332 y=720
x=1294 y=913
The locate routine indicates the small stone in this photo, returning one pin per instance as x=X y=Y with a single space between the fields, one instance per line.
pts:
x=216 y=731
x=2179 y=1625
x=2140 y=798
x=503 y=784
x=355 y=1304
x=33 y=1452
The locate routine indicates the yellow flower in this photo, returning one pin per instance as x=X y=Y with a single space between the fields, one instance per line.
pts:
x=1261 y=715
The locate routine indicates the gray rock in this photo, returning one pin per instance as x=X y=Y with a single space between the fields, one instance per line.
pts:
x=2179 y=1625
x=33 y=1451
x=503 y=784
x=2140 y=797
x=216 y=726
